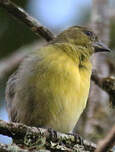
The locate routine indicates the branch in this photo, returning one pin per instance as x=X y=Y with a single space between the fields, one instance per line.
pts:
x=46 y=138
x=15 y=148
x=108 y=142
x=8 y=64
x=107 y=84
x=101 y=19
x=24 y=17
x=112 y=13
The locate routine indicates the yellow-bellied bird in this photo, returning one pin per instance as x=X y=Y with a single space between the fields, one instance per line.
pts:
x=51 y=86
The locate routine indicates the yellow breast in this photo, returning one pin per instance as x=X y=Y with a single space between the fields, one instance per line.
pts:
x=66 y=90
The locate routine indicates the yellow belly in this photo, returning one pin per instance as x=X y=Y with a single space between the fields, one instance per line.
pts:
x=64 y=97
x=67 y=110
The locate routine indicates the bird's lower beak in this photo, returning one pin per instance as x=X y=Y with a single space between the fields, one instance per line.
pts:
x=100 y=47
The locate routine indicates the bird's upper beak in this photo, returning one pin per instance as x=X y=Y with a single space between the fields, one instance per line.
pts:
x=100 y=47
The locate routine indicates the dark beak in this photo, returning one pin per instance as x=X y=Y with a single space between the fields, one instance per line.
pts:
x=100 y=47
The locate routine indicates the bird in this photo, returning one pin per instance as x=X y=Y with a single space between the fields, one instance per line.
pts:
x=51 y=86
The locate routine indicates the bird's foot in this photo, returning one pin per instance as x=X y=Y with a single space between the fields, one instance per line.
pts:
x=53 y=134
x=78 y=138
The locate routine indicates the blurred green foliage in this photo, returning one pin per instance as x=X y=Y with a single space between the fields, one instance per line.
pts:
x=13 y=34
x=112 y=33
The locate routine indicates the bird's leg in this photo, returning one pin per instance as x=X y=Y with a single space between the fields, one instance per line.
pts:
x=78 y=138
x=53 y=134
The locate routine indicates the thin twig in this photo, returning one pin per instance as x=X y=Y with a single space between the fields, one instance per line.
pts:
x=24 y=17
x=107 y=84
x=10 y=63
x=108 y=142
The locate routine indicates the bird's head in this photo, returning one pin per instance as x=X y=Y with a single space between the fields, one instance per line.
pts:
x=82 y=36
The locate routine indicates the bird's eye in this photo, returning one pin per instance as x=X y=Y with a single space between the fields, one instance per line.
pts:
x=88 y=33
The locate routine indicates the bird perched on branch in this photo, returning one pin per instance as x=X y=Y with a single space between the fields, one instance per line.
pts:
x=51 y=86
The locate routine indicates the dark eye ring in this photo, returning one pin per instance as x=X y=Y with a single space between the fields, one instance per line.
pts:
x=88 y=33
